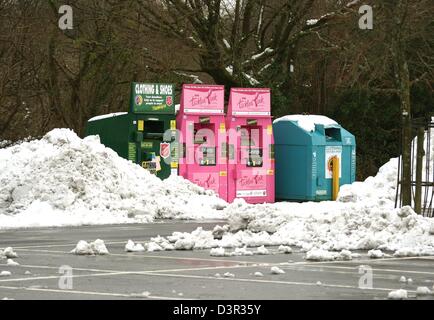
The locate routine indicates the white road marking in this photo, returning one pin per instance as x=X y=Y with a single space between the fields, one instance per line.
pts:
x=93 y=293
x=116 y=273
x=355 y=267
x=271 y=281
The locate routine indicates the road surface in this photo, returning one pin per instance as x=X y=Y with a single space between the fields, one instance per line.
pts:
x=188 y=274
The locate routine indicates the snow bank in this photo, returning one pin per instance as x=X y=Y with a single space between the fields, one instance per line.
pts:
x=324 y=255
x=4 y=143
x=423 y=291
x=312 y=22
x=276 y=270
x=8 y=253
x=62 y=180
x=133 y=247
x=94 y=248
x=398 y=294
x=11 y=262
x=363 y=218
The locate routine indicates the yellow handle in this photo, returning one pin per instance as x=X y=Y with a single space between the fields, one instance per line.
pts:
x=335 y=164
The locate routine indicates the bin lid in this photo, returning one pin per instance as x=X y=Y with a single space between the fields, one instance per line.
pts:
x=308 y=122
x=105 y=116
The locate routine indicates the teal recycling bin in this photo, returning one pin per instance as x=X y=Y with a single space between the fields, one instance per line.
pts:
x=304 y=148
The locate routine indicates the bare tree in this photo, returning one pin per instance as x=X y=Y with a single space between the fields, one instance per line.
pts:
x=241 y=42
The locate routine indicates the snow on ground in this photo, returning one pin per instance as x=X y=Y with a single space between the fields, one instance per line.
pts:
x=363 y=218
x=276 y=270
x=62 y=180
x=11 y=262
x=423 y=291
x=284 y=249
x=312 y=22
x=7 y=253
x=376 y=254
x=398 y=294
x=4 y=143
x=324 y=255
x=133 y=247
x=94 y=248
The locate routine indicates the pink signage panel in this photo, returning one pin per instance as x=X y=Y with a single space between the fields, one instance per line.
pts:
x=250 y=102
x=203 y=99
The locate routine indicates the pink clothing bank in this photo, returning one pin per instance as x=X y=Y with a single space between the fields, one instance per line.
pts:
x=231 y=154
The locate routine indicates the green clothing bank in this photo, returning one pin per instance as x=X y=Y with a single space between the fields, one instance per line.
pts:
x=144 y=134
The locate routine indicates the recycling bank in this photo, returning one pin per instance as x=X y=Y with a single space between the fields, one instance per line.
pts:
x=144 y=134
x=305 y=147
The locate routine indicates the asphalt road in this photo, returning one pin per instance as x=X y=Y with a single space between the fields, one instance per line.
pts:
x=188 y=274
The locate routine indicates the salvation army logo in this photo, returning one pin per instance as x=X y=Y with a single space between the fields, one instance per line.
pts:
x=169 y=101
x=164 y=150
x=139 y=100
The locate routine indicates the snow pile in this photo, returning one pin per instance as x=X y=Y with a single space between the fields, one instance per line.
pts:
x=312 y=22
x=64 y=180
x=217 y=252
x=94 y=248
x=133 y=247
x=376 y=254
x=11 y=262
x=398 y=294
x=363 y=218
x=423 y=291
x=8 y=253
x=4 y=143
x=243 y=251
x=324 y=255
x=228 y=275
x=5 y=274
x=284 y=249
x=276 y=270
